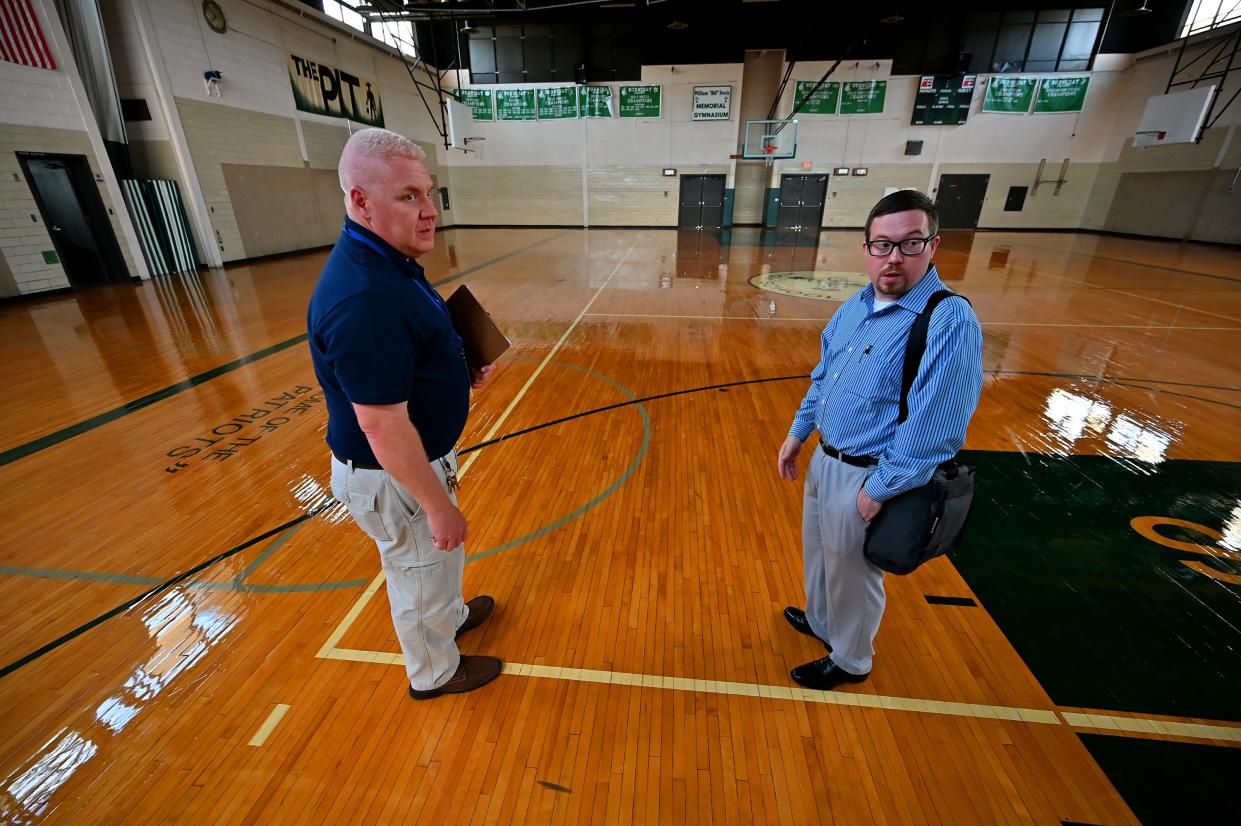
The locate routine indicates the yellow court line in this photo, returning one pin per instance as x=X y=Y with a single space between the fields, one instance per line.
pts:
x=1103 y=722
x=495 y=427
x=329 y=646
x=1138 y=725
x=273 y=719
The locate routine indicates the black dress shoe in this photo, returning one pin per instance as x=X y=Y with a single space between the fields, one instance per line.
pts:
x=473 y=672
x=797 y=619
x=480 y=608
x=824 y=675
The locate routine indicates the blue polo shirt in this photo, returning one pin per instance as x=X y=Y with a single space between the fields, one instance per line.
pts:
x=380 y=334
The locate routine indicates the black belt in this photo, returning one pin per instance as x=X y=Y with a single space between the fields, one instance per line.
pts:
x=856 y=461
x=357 y=464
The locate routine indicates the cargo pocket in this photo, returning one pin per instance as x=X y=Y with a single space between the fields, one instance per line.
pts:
x=362 y=508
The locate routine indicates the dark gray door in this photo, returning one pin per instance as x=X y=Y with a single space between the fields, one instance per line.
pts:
x=701 y=202
x=69 y=202
x=960 y=200
x=801 y=201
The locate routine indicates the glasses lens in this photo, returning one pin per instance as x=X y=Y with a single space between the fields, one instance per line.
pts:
x=913 y=246
x=879 y=249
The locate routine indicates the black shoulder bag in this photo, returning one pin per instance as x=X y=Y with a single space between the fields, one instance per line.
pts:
x=928 y=521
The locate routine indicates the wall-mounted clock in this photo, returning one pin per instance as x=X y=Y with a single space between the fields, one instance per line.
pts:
x=214 y=15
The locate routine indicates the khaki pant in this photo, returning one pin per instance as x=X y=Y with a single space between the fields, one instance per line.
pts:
x=844 y=593
x=424 y=583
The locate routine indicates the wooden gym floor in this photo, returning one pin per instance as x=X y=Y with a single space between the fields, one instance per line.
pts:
x=194 y=632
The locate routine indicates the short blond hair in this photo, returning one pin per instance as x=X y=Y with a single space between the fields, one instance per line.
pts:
x=366 y=146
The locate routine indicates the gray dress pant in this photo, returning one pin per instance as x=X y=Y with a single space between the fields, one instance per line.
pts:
x=424 y=583
x=844 y=592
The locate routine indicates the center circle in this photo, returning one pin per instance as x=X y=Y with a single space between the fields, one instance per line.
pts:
x=823 y=285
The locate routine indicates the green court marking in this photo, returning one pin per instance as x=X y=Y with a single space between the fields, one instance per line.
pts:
x=1171 y=783
x=1104 y=617
x=238 y=584
x=624 y=477
x=67 y=433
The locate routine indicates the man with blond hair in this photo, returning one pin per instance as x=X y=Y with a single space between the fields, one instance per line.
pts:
x=397 y=388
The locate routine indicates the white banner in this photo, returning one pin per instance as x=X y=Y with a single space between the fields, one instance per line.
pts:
x=712 y=102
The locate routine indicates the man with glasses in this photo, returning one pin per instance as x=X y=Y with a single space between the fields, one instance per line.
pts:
x=866 y=455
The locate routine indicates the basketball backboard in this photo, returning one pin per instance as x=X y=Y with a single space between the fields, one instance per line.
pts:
x=1173 y=118
x=460 y=122
x=770 y=139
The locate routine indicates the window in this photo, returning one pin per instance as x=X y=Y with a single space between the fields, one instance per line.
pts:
x=1048 y=40
x=399 y=34
x=1208 y=14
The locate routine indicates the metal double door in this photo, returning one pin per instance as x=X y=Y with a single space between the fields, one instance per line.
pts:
x=701 y=202
x=802 y=198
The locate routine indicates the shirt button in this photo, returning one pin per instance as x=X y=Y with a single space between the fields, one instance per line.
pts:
x=850 y=350
x=835 y=375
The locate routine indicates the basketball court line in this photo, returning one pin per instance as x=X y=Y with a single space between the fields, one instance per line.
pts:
x=1106 y=723
x=329 y=648
x=269 y=725
x=820 y=320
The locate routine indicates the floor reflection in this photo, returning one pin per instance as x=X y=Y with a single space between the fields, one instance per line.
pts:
x=182 y=628
x=1075 y=417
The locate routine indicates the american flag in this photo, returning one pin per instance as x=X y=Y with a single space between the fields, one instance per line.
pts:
x=21 y=39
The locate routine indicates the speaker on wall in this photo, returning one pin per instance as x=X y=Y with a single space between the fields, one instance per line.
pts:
x=913 y=147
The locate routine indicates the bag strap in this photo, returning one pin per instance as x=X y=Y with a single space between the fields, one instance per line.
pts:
x=916 y=346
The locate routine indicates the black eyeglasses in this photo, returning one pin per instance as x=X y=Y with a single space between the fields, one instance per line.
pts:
x=910 y=246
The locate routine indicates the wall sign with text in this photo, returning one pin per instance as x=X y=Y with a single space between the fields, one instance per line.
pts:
x=322 y=89
x=515 y=104
x=595 y=101
x=863 y=97
x=1011 y=95
x=1061 y=94
x=641 y=102
x=480 y=101
x=557 y=102
x=712 y=103
x=824 y=101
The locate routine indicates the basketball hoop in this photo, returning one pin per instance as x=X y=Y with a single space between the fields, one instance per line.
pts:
x=1149 y=137
x=770 y=148
x=469 y=141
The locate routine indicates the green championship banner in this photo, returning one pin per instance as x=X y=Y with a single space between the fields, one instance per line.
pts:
x=595 y=101
x=640 y=102
x=480 y=101
x=824 y=101
x=863 y=97
x=1061 y=94
x=1009 y=94
x=322 y=89
x=557 y=102
x=515 y=104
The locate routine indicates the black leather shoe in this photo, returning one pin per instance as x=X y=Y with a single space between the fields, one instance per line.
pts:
x=473 y=672
x=824 y=675
x=797 y=619
x=480 y=608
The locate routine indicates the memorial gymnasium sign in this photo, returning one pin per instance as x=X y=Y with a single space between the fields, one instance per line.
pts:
x=712 y=102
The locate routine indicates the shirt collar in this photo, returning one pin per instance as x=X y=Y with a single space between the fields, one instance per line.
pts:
x=390 y=252
x=914 y=300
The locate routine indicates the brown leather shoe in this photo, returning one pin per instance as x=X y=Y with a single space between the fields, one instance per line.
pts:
x=480 y=608
x=473 y=672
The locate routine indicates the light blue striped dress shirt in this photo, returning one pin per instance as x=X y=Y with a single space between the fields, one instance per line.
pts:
x=854 y=396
